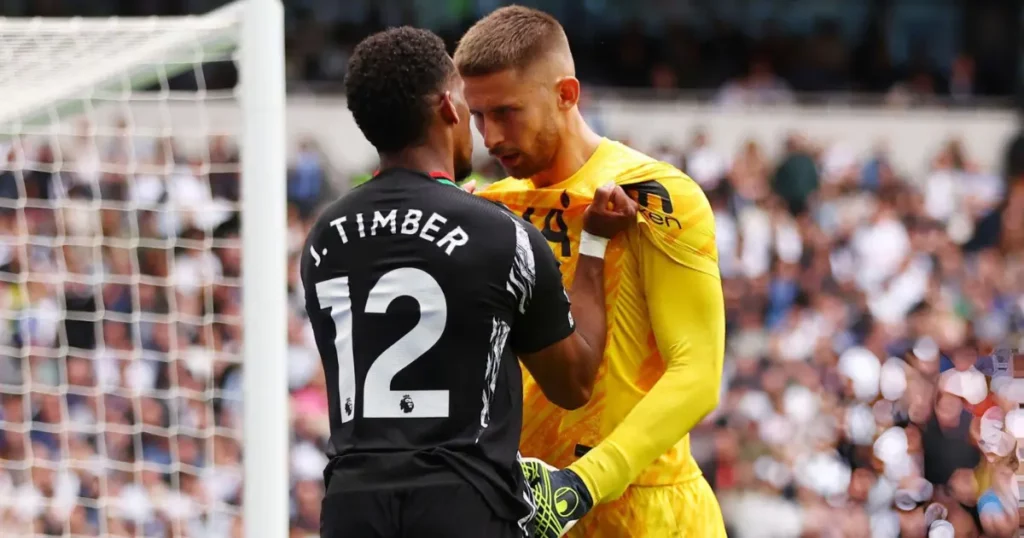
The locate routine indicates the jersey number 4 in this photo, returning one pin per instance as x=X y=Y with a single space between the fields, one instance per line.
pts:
x=379 y=401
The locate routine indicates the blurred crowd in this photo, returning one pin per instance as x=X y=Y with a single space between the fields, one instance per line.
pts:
x=760 y=51
x=872 y=323
x=872 y=317
x=723 y=62
x=120 y=338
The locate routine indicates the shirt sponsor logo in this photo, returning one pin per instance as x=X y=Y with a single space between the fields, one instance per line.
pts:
x=655 y=203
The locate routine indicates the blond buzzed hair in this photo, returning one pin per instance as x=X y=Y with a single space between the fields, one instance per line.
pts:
x=511 y=37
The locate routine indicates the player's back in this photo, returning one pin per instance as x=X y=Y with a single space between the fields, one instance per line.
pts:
x=413 y=288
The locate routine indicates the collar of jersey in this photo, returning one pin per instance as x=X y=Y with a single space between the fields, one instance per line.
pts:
x=439 y=175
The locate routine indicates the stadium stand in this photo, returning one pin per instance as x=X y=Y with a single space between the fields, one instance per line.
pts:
x=810 y=298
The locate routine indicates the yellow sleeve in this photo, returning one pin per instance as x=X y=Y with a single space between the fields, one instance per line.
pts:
x=690 y=331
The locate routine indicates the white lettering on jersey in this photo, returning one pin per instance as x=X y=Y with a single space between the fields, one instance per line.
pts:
x=411 y=224
x=386 y=222
x=359 y=221
x=453 y=239
x=432 y=226
x=341 y=231
x=380 y=221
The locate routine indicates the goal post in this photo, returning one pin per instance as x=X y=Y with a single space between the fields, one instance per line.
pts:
x=264 y=255
x=126 y=310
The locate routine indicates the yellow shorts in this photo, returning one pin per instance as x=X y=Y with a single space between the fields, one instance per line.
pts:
x=687 y=510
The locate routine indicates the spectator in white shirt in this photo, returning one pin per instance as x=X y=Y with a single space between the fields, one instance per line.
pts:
x=703 y=163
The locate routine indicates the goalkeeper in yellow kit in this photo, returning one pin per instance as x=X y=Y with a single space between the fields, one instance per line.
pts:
x=625 y=456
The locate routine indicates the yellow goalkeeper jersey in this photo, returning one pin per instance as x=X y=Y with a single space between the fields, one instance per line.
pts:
x=666 y=325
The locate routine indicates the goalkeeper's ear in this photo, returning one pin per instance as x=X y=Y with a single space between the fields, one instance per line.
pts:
x=568 y=89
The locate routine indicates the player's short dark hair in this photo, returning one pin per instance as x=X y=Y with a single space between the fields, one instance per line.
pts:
x=511 y=37
x=391 y=76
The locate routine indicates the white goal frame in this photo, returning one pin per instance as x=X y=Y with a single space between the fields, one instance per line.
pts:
x=266 y=432
x=256 y=27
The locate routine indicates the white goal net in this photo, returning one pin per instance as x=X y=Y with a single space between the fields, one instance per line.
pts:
x=121 y=312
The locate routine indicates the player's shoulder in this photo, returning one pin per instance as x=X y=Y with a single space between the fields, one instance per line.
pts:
x=674 y=210
x=635 y=166
x=628 y=166
x=645 y=177
x=419 y=194
x=330 y=213
x=336 y=209
x=522 y=226
x=525 y=233
x=487 y=212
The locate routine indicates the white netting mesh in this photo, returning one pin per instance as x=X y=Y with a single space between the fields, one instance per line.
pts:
x=119 y=296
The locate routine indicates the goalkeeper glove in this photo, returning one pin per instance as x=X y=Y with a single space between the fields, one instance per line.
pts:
x=560 y=495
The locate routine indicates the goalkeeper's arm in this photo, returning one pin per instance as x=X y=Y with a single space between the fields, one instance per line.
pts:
x=689 y=326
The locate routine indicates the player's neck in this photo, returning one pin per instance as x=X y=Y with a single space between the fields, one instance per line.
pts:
x=579 y=143
x=424 y=159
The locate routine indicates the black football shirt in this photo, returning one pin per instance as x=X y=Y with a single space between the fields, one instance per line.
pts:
x=420 y=296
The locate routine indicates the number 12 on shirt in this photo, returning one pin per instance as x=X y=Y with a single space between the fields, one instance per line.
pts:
x=379 y=401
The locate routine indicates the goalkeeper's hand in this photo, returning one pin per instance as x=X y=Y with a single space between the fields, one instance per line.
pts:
x=561 y=497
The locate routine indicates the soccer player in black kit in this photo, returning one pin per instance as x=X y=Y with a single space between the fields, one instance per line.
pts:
x=421 y=297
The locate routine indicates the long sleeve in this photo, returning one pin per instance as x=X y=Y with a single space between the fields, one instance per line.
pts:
x=687 y=314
